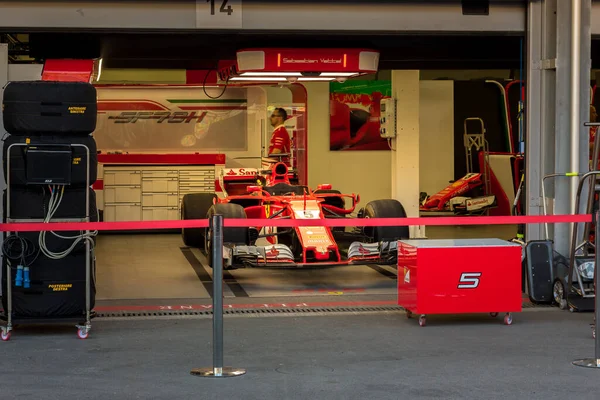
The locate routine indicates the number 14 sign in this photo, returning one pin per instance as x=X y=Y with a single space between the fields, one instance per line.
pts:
x=219 y=14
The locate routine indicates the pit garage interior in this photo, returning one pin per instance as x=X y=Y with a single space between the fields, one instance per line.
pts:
x=467 y=77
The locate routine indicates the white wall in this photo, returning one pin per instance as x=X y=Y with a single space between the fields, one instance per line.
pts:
x=367 y=173
x=257 y=100
x=25 y=72
x=278 y=94
x=436 y=146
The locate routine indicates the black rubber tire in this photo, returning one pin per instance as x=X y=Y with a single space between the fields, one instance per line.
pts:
x=387 y=208
x=50 y=108
x=238 y=236
x=195 y=206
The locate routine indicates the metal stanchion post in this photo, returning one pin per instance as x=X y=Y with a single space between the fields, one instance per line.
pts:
x=217 y=369
x=594 y=362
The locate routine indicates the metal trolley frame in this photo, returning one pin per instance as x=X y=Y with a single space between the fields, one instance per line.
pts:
x=83 y=325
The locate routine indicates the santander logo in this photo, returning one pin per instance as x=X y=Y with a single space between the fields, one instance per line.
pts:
x=240 y=172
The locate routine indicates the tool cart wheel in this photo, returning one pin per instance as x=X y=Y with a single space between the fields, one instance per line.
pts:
x=558 y=292
x=5 y=336
x=82 y=333
x=508 y=319
x=493 y=314
x=408 y=314
x=422 y=320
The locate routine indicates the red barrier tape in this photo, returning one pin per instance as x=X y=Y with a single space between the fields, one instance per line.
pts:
x=289 y=223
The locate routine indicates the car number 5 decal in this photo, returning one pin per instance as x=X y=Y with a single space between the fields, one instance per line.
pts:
x=469 y=280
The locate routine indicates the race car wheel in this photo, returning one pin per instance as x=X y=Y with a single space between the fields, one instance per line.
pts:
x=195 y=206
x=387 y=208
x=238 y=236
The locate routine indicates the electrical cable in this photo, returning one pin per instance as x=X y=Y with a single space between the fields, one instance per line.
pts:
x=204 y=86
x=54 y=204
x=20 y=250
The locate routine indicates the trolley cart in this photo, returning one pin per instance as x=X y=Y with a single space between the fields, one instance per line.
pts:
x=459 y=276
x=83 y=322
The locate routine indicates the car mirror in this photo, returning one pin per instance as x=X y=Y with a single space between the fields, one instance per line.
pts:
x=254 y=189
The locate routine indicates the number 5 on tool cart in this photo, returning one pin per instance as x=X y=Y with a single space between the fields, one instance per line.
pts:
x=459 y=276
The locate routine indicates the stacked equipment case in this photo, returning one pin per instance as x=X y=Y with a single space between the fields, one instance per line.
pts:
x=50 y=164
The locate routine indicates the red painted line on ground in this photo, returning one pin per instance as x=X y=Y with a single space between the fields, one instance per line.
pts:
x=334 y=290
x=203 y=223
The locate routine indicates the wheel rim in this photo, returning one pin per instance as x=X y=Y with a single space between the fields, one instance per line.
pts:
x=558 y=292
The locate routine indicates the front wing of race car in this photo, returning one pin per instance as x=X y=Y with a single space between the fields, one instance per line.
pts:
x=281 y=256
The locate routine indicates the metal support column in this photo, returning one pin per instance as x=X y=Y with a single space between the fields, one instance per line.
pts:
x=558 y=95
x=3 y=81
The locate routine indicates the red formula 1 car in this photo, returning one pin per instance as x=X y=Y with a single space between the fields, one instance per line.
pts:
x=276 y=198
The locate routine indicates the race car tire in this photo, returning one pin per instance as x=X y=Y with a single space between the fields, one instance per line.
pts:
x=387 y=208
x=240 y=236
x=195 y=206
x=50 y=108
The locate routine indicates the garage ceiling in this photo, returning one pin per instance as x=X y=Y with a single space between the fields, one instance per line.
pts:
x=203 y=51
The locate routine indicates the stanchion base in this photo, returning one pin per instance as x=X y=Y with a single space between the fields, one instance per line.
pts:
x=224 y=372
x=588 y=363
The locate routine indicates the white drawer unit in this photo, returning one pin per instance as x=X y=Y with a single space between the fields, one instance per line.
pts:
x=160 y=213
x=160 y=185
x=160 y=199
x=122 y=177
x=122 y=212
x=151 y=193
x=122 y=194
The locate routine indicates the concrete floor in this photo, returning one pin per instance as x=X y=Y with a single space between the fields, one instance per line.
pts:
x=154 y=266
x=334 y=356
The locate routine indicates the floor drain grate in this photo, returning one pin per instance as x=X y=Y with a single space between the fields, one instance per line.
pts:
x=252 y=311
x=268 y=311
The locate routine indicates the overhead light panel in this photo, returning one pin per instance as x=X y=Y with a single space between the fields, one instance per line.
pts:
x=299 y=65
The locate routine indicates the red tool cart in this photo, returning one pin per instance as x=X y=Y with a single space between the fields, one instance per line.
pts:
x=459 y=276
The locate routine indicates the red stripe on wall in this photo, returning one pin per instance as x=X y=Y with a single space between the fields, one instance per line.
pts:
x=130 y=105
x=98 y=185
x=212 y=108
x=182 y=159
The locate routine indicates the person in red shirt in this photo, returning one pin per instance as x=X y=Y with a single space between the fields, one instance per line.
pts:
x=280 y=140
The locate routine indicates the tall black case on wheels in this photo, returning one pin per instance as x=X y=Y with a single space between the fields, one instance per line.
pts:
x=79 y=161
x=33 y=202
x=539 y=268
x=57 y=288
x=49 y=108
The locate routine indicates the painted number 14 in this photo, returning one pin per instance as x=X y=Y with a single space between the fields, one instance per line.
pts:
x=224 y=7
